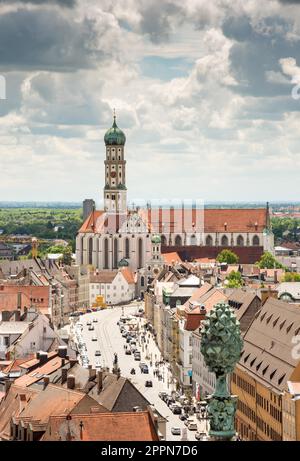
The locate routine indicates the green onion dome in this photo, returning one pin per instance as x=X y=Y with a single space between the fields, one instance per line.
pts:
x=114 y=136
x=123 y=263
x=156 y=238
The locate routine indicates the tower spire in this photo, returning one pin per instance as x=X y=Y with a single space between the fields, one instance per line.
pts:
x=114 y=115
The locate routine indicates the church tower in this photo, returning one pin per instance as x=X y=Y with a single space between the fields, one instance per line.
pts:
x=115 y=192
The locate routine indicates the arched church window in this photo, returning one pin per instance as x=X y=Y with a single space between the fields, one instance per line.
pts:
x=209 y=241
x=140 y=253
x=224 y=241
x=255 y=240
x=127 y=248
x=240 y=241
x=115 y=253
x=90 y=250
x=178 y=240
x=106 y=254
x=81 y=250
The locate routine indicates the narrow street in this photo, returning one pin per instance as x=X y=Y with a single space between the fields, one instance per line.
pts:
x=110 y=341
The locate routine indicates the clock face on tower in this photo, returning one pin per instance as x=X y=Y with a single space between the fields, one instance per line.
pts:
x=113 y=174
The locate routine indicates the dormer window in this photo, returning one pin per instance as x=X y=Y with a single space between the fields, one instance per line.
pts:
x=225 y=226
x=256 y=225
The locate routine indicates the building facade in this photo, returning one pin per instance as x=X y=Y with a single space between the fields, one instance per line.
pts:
x=117 y=232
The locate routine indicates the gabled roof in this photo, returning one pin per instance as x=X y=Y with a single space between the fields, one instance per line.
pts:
x=128 y=275
x=103 y=277
x=44 y=370
x=135 y=426
x=171 y=258
x=14 y=402
x=90 y=222
x=54 y=400
x=268 y=343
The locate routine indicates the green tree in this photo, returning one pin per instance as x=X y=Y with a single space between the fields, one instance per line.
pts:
x=267 y=261
x=234 y=280
x=291 y=277
x=67 y=255
x=227 y=256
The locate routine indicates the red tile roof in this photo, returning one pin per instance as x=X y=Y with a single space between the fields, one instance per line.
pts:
x=12 y=405
x=90 y=223
x=46 y=369
x=102 y=427
x=128 y=274
x=170 y=258
x=215 y=220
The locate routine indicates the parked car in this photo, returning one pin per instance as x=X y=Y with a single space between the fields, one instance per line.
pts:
x=161 y=395
x=94 y=338
x=132 y=371
x=137 y=358
x=128 y=339
x=91 y=327
x=124 y=334
x=192 y=426
x=142 y=364
x=95 y=320
x=182 y=417
x=145 y=369
x=176 y=431
x=137 y=409
x=128 y=352
x=97 y=353
x=200 y=435
x=148 y=383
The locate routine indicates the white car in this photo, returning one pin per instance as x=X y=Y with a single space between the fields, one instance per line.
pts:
x=94 y=338
x=176 y=431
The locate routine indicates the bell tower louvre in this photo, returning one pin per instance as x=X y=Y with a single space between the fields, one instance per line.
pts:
x=115 y=191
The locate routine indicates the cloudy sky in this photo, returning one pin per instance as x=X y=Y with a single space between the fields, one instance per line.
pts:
x=202 y=89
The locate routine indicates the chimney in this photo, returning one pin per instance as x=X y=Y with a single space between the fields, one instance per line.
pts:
x=99 y=381
x=62 y=351
x=37 y=355
x=268 y=293
x=64 y=375
x=71 y=382
x=43 y=357
x=19 y=302
x=73 y=362
x=46 y=381
x=8 y=383
x=92 y=373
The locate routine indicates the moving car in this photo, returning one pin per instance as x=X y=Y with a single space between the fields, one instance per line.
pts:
x=94 y=338
x=161 y=395
x=132 y=371
x=176 y=431
x=95 y=320
x=128 y=352
x=176 y=409
x=182 y=417
x=148 y=383
x=97 y=353
x=145 y=369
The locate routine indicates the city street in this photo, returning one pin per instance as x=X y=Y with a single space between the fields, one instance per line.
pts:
x=110 y=341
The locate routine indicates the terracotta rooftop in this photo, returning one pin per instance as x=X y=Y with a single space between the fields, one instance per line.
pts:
x=135 y=426
x=54 y=400
x=103 y=277
x=12 y=405
x=46 y=369
x=128 y=275
x=170 y=258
